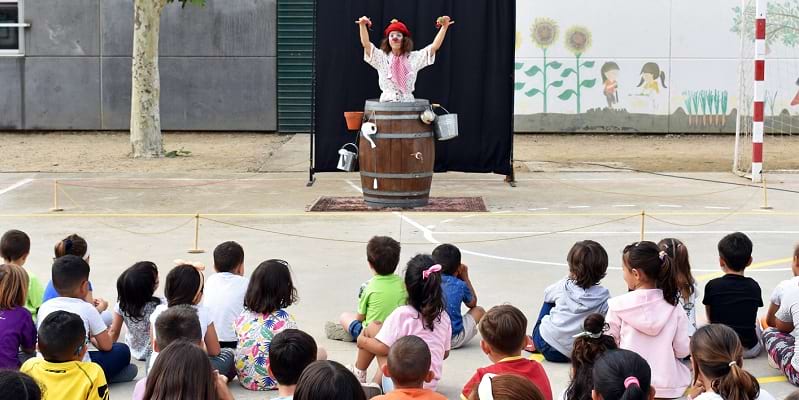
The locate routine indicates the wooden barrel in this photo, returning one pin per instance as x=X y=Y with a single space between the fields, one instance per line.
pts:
x=399 y=170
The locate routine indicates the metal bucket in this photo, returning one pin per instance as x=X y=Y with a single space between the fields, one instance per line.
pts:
x=346 y=158
x=446 y=126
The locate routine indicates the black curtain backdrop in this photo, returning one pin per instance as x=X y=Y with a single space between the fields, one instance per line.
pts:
x=472 y=75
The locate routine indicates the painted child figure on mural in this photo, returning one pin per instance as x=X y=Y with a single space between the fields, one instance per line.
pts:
x=396 y=63
x=610 y=81
x=650 y=73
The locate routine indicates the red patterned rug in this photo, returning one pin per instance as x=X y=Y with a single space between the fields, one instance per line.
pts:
x=436 y=204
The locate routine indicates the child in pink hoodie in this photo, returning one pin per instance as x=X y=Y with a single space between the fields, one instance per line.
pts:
x=648 y=321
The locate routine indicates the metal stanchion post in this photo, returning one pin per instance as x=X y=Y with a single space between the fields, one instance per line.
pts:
x=643 y=220
x=196 y=249
x=55 y=208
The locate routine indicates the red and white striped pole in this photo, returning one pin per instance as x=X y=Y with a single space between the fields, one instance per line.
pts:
x=759 y=90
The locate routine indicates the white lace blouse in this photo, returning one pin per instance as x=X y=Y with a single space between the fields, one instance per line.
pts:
x=381 y=62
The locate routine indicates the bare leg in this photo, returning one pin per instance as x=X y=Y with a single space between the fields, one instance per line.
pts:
x=346 y=320
x=365 y=357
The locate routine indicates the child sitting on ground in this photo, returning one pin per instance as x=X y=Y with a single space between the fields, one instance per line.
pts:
x=135 y=303
x=19 y=386
x=458 y=289
x=686 y=284
x=647 y=319
x=16 y=325
x=589 y=345
x=408 y=366
x=717 y=361
x=780 y=339
x=424 y=316
x=183 y=371
x=568 y=301
x=184 y=286
x=506 y=387
x=224 y=291
x=270 y=292
x=787 y=285
x=289 y=353
x=733 y=299
x=623 y=374
x=62 y=373
x=503 y=329
x=328 y=380
x=70 y=278
x=380 y=295
x=14 y=248
x=176 y=323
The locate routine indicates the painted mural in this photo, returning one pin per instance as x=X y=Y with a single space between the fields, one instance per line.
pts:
x=646 y=65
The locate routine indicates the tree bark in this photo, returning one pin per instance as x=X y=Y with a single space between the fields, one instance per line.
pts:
x=145 y=113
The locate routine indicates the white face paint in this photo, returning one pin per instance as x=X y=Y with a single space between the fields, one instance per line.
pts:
x=395 y=39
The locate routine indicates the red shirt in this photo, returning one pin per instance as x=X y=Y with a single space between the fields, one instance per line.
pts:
x=404 y=394
x=524 y=367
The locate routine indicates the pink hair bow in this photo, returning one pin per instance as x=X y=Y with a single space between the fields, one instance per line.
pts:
x=435 y=268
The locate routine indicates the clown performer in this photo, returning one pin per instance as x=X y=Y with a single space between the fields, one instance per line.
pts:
x=395 y=61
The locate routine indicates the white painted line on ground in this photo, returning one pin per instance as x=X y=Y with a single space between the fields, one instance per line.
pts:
x=502 y=212
x=609 y=232
x=623 y=205
x=15 y=186
x=538 y=209
x=574 y=207
x=669 y=206
x=446 y=221
x=354 y=186
x=431 y=227
x=717 y=208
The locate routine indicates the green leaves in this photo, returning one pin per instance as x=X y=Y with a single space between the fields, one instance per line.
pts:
x=532 y=71
x=554 y=65
x=519 y=65
x=588 y=64
x=566 y=72
x=518 y=85
x=588 y=83
x=532 y=92
x=556 y=84
x=567 y=94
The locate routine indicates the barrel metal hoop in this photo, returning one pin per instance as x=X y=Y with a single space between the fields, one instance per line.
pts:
x=396 y=176
x=392 y=203
x=394 y=116
x=409 y=135
x=418 y=105
x=396 y=194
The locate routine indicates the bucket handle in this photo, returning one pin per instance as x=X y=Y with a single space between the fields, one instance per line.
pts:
x=357 y=150
x=434 y=105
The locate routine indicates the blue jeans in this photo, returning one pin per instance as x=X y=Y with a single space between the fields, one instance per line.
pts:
x=112 y=361
x=541 y=345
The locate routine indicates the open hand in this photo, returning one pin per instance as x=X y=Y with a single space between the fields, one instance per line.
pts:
x=444 y=22
x=365 y=21
x=100 y=304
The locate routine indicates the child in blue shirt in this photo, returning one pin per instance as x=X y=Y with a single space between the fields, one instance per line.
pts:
x=458 y=289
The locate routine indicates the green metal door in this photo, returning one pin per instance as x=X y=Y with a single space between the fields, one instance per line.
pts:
x=295 y=64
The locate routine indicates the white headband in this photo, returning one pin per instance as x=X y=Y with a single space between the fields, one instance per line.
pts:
x=485 y=389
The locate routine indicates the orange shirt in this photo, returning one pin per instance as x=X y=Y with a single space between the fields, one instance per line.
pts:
x=403 y=394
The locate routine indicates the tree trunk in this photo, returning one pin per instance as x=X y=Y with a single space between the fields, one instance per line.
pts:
x=145 y=113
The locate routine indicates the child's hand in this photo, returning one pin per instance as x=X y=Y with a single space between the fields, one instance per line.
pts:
x=100 y=304
x=463 y=272
x=696 y=389
x=222 y=391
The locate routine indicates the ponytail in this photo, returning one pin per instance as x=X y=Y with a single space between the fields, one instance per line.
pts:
x=655 y=265
x=588 y=346
x=632 y=389
x=681 y=264
x=717 y=354
x=663 y=78
x=71 y=245
x=622 y=375
x=423 y=284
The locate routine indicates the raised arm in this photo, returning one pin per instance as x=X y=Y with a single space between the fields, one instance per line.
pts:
x=364 y=23
x=445 y=22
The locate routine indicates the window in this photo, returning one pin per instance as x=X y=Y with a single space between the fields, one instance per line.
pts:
x=12 y=24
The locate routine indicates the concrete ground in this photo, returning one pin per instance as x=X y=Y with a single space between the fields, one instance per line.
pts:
x=514 y=251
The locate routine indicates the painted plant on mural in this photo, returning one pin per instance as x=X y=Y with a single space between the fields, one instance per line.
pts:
x=578 y=41
x=543 y=33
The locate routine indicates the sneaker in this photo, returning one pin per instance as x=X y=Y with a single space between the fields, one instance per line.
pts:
x=361 y=375
x=335 y=331
x=127 y=374
x=371 y=390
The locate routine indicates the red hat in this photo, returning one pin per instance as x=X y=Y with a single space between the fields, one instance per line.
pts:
x=395 y=25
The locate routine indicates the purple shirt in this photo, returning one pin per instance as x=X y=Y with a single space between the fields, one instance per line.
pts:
x=16 y=330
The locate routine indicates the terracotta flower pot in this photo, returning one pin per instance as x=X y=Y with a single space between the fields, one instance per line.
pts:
x=354 y=119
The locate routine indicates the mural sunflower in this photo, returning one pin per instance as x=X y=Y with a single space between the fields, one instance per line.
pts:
x=518 y=40
x=578 y=39
x=544 y=32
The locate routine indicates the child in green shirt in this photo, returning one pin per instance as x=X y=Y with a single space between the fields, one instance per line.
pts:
x=15 y=246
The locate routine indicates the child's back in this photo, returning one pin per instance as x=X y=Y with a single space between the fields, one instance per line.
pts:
x=16 y=326
x=224 y=291
x=135 y=305
x=15 y=246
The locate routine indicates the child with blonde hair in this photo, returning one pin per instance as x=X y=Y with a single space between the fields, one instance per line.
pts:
x=16 y=325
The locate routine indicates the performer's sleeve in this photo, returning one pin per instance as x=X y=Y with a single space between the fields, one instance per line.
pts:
x=374 y=57
x=422 y=58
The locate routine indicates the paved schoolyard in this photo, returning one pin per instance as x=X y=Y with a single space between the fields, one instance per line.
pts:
x=514 y=251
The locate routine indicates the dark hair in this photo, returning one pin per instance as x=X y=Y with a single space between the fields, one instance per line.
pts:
x=182 y=285
x=69 y=272
x=511 y=387
x=675 y=249
x=290 y=351
x=228 y=256
x=654 y=70
x=181 y=371
x=449 y=257
x=424 y=294
x=180 y=322
x=14 y=245
x=72 y=244
x=18 y=386
x=588 y=263
x=135 y=288
x=407 y=45
x=328 y=380
x=409 y=361
x=383 y=254
x=736 y=250
x=614 y=367
x=584 y=354
x=717 y=353
x=271 y=288
x=607 y=67
x=504 y=328
x=646 y=257
x=61 y=336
